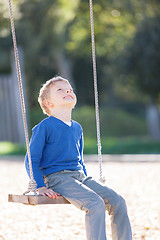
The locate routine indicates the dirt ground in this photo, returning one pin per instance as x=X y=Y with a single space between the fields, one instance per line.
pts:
x=137 y=182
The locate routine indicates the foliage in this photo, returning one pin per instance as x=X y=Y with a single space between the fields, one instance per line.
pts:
x=114 y=122
x=8 y=148
x=125 y=31
x=144 y=57
x=109 y=146
x=123 y=146
x=4 y=40
x=4 y=19
x=44 y=26
x=46 y=29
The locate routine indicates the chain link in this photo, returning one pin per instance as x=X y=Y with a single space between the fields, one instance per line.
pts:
x=21 y=95
x=96 y=92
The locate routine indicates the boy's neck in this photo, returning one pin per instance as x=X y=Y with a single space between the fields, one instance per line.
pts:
x=64 y=115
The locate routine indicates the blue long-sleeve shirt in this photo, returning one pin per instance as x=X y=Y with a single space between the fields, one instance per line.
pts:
x=54 y=147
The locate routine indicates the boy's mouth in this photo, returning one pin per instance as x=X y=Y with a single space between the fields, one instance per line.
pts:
x=68 y=96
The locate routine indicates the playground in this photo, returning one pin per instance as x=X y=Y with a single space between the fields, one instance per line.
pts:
x=137 y=181
x=56 y=41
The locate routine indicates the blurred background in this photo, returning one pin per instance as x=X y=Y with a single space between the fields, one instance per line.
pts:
x=53 y=38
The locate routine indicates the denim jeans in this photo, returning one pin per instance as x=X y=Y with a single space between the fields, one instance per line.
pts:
x=94 y=198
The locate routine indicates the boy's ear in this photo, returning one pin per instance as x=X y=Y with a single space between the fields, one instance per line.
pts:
x=47 y=103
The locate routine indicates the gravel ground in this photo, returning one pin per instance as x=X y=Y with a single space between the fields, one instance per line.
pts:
x=137 y=182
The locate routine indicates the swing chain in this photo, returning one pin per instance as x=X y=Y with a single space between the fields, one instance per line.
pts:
x=96 y=93
x=32 y=184
x=32 y=187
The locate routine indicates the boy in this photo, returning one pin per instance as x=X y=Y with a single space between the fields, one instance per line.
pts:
x=57 y=157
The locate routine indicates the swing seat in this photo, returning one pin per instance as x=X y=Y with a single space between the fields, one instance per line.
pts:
x=36 y=200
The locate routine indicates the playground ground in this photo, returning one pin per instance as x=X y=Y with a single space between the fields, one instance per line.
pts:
x=138 y=182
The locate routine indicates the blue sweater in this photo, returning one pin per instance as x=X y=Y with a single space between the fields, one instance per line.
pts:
x=54 y=147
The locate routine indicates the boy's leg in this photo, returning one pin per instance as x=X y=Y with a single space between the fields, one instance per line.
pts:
x=70 y=186
x=116 y=206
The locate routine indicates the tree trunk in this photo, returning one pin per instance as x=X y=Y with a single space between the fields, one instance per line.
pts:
x=153 y=121
x=65 y=67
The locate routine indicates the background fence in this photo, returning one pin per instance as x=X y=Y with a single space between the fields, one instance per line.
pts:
x=11 y=122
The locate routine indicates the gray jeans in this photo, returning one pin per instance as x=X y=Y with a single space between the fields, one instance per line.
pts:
x=94 y=198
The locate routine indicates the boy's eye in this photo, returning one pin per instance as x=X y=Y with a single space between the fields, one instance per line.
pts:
x=59 y=89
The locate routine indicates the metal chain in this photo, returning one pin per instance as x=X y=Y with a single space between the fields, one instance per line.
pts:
x=32 y=183
x=96 y=92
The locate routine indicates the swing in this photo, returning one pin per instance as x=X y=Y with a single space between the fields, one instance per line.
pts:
x=35 y=199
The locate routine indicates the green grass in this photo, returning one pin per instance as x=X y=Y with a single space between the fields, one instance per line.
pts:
x=109 y=146
x=8 y=148
x=123 y=146
x=115 y=122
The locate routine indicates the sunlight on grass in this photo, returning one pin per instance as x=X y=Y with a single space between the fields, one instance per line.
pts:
x=109 y=146
x=8 y=148
x=122 y=146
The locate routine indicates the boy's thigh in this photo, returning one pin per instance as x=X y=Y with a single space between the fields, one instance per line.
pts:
x=109 y=195
x=71 y=187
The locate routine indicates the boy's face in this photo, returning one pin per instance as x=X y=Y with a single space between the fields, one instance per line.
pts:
x=61 y=94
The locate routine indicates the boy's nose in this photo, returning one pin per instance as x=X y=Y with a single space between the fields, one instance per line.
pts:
x=68 y=91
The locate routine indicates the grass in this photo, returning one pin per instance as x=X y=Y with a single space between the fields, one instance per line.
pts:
x=115 y=122
x=8 y=148
x=123 y=146
x=109 y=146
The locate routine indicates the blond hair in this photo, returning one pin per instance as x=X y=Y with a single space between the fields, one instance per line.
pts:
x=44 y=92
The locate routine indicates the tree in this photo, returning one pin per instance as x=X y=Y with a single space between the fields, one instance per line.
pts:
x=4 y=39
x=56 y=36
x=143 y=62
x=42 y=30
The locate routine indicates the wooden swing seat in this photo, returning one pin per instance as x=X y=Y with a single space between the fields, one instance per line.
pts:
x=36 y=200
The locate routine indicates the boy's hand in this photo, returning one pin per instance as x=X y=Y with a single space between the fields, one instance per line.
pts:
x=48 y=192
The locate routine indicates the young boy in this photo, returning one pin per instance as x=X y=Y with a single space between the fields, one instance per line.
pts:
x=57 y=158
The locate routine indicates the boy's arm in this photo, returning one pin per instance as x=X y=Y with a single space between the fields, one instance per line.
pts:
x=81 y=154
x=37 y=144
x=36 y=148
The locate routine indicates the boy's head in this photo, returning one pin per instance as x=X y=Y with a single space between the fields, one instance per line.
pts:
x=56 y=93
